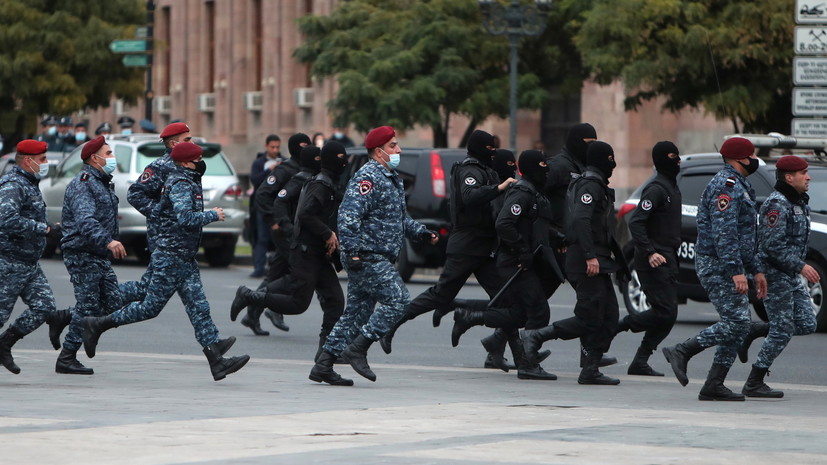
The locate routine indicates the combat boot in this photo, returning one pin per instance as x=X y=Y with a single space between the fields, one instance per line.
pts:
x=93 y=327
x=489 y=363
x=58 y=320
x=442 y=311
x=464 y=320
x=756 y=330
x=255 y=325
x=357 y=356
x=590 y=374
x=495 y=346
x=678 y=356
x=323 y=371
x=220 y=366
x=225 y=344
x=277 y=319
x=640 y=364
x=604 y=359
x=67 y=363
x=714 y=388
x=755 y=386
x=386 y=341
x=517 y=351
x=241 y=301
x=7 y=340
x=526 y=369
x=533 y=339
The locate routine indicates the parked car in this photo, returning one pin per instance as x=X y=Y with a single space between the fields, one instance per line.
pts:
x=426 y=173
x=696 y=171
x=133 y=154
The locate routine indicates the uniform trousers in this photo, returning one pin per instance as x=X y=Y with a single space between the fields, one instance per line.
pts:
x=661 y=289
x=789 y=311
x=595 y=313
x=27 y=281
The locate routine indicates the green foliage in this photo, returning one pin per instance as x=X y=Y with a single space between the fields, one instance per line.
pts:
x=683 y=49
x=408 y=62
x=55 y=57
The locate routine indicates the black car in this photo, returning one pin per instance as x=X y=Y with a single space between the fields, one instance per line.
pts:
x=696 y=171
x=426 y=173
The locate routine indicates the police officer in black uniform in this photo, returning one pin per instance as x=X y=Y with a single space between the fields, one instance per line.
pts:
x=592 y=255
x=472 y=245
x=656 y=232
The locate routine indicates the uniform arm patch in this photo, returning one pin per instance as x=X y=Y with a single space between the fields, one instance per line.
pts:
x=516 y=209
x=146 y=175
x=730 y=181
x=271 y=179
x=646 y=205
x=469 y=181
x=772 y=218
x=282 y=193
x=365 y=186
x=723 y=201
x=586 y=198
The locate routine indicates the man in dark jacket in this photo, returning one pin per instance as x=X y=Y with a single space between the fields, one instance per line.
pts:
x=262 y=167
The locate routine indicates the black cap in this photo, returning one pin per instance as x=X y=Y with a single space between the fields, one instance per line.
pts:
x=126 y=121
x=65 y=121
x=104 y=127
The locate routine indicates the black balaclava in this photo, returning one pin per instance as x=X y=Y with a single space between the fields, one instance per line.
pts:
x=575 y=143
x=601 y=156
x=330 y=158
x=501 y=166
x=477 y=144
x=293 y=144
x=308 y=159
x=660 y=157
x=533 y=167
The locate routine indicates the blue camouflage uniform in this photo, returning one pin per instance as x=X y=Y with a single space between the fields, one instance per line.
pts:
x=180 y=218
x=726 y=247
x=783 y=234
x=373 y=223
x=22 y=240
x=90 y=222
x=145 y=194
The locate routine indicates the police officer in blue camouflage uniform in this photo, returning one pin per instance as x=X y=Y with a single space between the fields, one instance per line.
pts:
x=173 y=268
x=23 y=231
x=373 y=223
x=725 y=254
x=90 y=231
x=783 y=234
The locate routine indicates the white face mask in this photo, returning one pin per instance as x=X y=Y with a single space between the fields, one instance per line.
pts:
x=43 y=170
x=111 y=164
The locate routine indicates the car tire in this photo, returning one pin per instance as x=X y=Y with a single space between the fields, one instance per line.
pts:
x=403 y=265
x=221 y=256
x=633 y=296
x=816 y=291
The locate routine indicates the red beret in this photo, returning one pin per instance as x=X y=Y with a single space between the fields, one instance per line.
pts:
x=737 y=148
x=185 y=151
x=31 y=147
x=379 y=137
x=174 y=129
x=791 y=163
x=92 y=147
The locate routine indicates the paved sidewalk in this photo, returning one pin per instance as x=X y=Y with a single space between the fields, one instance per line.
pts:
x=165 y=409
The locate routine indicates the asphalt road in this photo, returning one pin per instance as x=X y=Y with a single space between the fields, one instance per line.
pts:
x=417 y=343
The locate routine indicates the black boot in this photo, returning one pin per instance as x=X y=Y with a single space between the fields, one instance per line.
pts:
x=277 y=319
x=495 y=346
x=7 y=340
x=489 y=364
x=92 y=329
x=240 y=302
x=527 y=369
x=517 y=351
x=590 y=374
x=58 y=321
x=535 y=371
x=220 y=366
x=441 y=312
x=714 y=388
x=605 y=360
x=755 y=386
x=357 y=356
x=756 y=330
x=533 y=339
x=640 y=364
x=464 y=320
x=386 y=341
x=225 y=344
x=323 y=371
x=67 y=363
x=255 y=325
x=678 y=356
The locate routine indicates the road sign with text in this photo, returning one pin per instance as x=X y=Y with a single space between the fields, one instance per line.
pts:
x=135 y=60
x=804 y=127
x=810 y=12
x=810 y=40
x=129 y=46
x=809 y=71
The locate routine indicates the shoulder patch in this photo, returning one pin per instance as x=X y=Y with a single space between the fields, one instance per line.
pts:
x=772 y=218
x=586 y=198
x=282 y=193
x=723 y=202
x=365 y=186
x=146 y=175
x=798 y=210
x=199 y=197
x=646 y=205
x=730 y=181
x=516 y=209
x=84 y=176
x=271 y=179
x=469 y=181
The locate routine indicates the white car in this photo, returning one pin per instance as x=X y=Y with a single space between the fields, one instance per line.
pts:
x=133 y=154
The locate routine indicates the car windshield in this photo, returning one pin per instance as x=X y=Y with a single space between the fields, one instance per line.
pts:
x=216 y=165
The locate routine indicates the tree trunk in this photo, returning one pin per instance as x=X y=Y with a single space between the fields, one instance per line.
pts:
x=440 y=136
x=468 y=131
x=735 y=125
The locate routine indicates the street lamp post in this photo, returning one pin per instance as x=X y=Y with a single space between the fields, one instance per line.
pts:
x=515 y=20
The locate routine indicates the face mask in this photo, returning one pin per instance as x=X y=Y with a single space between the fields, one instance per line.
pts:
x=751 y=167
x=51 y=131
x=126 y=132
x=393 y=159
x=80 y=136
x=338 y=135
x=111 y=164
x=43 y=170
x=201 y=167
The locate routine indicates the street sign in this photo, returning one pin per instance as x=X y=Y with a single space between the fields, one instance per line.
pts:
x=141 y=32
x=810 y=40
x=809 y=101
x=808 y=12
x=135 y=60
x=803 y=127
x=131 y=46
x=810 y=71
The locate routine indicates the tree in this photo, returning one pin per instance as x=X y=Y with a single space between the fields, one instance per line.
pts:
x=731 y=57
x=55 y=57
x=409 y=62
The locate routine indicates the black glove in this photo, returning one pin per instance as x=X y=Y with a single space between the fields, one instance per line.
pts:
x=354 y=264
x=55 y=232
x=526 y=260
x=426 y=236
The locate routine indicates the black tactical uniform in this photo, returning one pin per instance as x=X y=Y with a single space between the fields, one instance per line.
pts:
x=656 y=228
